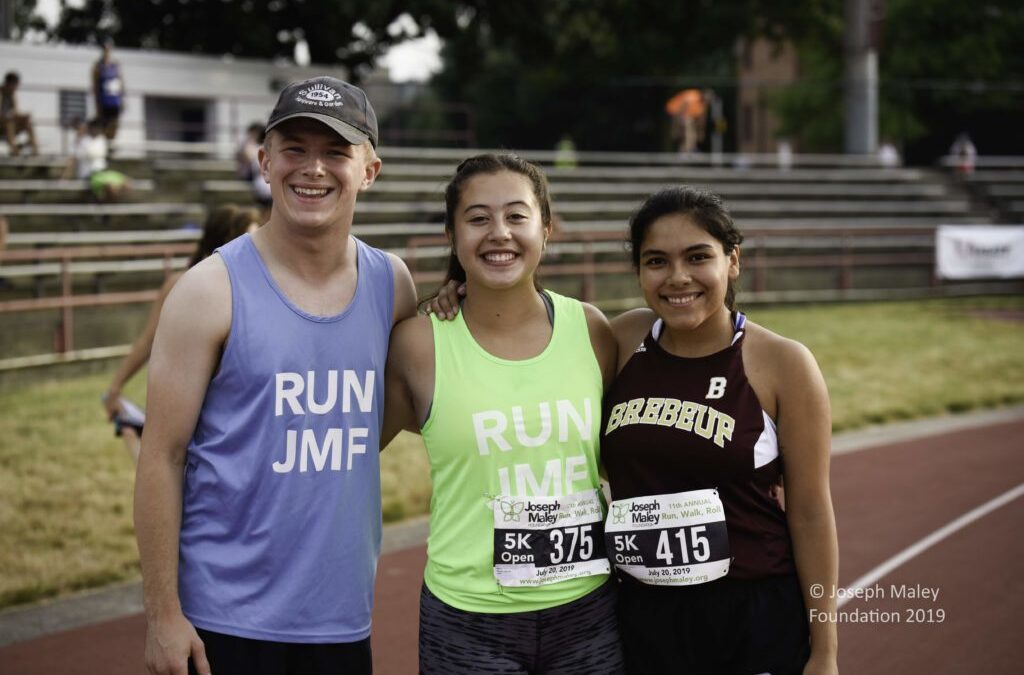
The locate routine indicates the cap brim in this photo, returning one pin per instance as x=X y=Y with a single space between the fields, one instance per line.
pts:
x=346 y=131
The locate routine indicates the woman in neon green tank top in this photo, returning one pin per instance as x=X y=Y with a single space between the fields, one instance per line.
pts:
x=508 y=400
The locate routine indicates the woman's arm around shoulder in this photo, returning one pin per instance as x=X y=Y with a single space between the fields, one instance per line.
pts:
x=409 y=377
x=789 y=375
x=630 y=328
x=602 y=340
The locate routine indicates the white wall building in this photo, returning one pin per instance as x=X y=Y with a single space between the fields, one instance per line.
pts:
x=170 y=97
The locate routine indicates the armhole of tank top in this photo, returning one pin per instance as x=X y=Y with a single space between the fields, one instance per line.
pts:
x=429 y=421
x=769 y=421
x=389 y=272
x=227 y=349
x=369 y=286
x=766 y=448
x=584 y=326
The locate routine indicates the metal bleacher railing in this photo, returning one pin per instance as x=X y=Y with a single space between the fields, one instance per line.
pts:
x=583 y=255
x=840 y=218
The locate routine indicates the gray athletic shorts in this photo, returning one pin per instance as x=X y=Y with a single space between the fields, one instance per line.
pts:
x=578 y=638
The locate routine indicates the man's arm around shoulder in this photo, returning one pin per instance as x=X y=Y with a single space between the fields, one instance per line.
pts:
x=192 y=329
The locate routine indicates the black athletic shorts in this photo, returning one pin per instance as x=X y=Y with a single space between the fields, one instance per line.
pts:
x=577 y=638
x=231 y=655
x=725 y=627
x=109 y=114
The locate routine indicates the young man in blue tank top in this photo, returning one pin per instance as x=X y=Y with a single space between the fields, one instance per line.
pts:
x=258 y=492
x=108 y=90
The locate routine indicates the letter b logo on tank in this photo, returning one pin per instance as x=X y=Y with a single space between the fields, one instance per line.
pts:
x=716 y=388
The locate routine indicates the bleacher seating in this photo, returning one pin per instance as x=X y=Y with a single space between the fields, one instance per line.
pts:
x=41 y=191
x=826 y=208
x=997 y=181
x=600 y=193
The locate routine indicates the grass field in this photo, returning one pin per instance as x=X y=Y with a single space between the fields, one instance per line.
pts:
x=66 y=482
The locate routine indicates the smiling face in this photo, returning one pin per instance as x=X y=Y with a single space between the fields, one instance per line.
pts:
x=685 y=272
x=498 y=230
x=314 y=174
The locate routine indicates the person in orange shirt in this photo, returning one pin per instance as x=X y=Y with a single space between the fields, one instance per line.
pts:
x=689 y=112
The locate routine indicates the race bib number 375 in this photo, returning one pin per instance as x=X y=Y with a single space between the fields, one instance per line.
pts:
x=543 y=540
x=669 y=540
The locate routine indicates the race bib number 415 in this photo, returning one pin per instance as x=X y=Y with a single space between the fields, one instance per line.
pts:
x=543 y=540
x=669 y=540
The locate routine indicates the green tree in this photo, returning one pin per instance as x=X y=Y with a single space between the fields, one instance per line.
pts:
x=599 y=70
x=351 y=33
x=944 y=66
x=25 y=19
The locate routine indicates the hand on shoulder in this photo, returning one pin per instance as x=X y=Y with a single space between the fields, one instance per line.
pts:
x=446 y=303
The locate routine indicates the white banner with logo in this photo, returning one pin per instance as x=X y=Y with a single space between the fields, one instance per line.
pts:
x=979 y=251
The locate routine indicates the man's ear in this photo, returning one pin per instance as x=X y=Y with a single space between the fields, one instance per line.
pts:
x=372 y=169
x=264 y=159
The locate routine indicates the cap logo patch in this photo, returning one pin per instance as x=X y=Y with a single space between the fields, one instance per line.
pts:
x=321 y=96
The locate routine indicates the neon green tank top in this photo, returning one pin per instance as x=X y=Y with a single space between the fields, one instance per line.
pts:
x=506 y=428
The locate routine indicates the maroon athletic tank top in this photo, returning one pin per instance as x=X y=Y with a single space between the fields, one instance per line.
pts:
x=673 y=424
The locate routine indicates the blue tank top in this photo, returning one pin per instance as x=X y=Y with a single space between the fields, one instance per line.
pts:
x=111 y=88
x=281 y=521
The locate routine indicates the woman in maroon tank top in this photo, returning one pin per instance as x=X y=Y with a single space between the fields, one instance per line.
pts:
x=709 y=408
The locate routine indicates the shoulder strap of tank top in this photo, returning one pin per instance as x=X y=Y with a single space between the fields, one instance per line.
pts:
x=739 y=323
x=738 y=326
x=549 y=305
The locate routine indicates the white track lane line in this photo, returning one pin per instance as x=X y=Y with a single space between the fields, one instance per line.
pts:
x=924 y=544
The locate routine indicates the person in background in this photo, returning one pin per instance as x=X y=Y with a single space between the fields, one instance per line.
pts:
x=14 y=120
x=108 y=91
x=221 y=226
x=963 y=154
x=784 y=154
x=89 y=163
x=688 y=112
x=5 y=230
x=888 y=155
x=247 y=167
x=565 y=153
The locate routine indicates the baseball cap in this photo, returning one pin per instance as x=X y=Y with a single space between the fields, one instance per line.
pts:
x=342 y=106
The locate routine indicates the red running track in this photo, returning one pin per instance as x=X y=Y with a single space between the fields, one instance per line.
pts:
x=887 y=498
